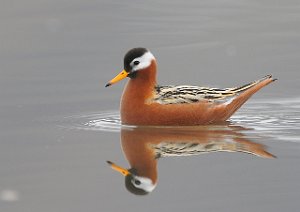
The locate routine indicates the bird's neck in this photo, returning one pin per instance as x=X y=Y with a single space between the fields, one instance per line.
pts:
x=139 y=154
x=140 y=88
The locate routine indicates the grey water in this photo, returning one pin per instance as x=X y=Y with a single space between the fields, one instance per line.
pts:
x=59 y=125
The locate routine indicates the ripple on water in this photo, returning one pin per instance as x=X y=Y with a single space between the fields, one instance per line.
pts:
x=101 y=121
x=275 y=118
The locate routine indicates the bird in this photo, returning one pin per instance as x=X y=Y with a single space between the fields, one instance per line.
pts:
x=143 y=146
x=144 y=102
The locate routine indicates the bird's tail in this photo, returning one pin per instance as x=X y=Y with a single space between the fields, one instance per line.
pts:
x=252 y=84
x=244 y=93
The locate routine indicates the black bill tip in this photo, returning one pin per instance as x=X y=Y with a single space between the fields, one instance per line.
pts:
x=108 y=84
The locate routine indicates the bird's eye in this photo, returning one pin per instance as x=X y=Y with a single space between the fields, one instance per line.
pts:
x=137 y=182
x=136 y=62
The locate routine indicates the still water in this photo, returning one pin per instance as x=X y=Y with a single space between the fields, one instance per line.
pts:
x=59 y=125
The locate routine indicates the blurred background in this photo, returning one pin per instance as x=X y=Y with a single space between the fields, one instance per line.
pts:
x=56 y=57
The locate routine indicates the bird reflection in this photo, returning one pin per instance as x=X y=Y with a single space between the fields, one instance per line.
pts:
x=143 y=146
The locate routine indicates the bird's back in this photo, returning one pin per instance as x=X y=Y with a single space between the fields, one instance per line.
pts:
x=191 y=94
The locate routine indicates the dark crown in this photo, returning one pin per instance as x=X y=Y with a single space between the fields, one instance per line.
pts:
x=131 y=55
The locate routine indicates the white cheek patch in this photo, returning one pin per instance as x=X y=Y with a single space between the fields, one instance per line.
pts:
x=146 y=184
x=145 y=61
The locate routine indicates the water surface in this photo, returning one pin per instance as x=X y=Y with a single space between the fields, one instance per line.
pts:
x=59 y=125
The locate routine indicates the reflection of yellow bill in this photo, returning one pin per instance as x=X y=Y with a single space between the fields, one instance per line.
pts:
x=123 y=171
x=119 y=77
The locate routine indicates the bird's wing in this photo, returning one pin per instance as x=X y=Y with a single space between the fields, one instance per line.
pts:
x=169 y=149
x=191 y=94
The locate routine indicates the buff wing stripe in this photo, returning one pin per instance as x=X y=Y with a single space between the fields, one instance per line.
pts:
x=191 y=94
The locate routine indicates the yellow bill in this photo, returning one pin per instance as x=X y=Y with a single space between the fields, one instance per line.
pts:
x=123 y=171
x=119 y=77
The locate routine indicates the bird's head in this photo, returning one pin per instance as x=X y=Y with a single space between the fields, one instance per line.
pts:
x=138 y=185
x=135 y=60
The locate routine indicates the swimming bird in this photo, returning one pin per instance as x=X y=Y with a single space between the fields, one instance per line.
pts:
x=144 y=102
